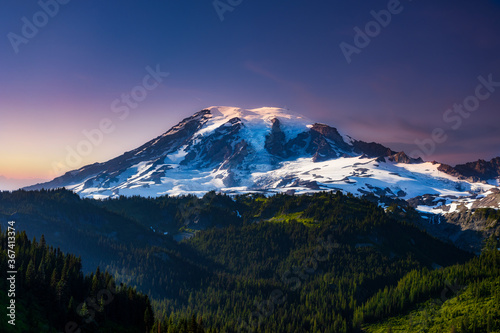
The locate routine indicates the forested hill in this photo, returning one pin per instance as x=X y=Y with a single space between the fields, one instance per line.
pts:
x=325 y=262
x=51 y=294
x=461 y=298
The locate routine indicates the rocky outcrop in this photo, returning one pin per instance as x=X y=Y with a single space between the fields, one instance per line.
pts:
x=320 y=148
x=491 y=200
x=275 y=140
x=401 y=157
x=296 y=146
x=322 y=142
x=426 y=200
x=332 y=134
x=371 y=149
x=480 y=170
x=218 y=148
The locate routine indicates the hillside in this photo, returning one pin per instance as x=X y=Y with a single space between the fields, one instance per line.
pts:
x=51 y=294
x=298 y=263
x=468 y=302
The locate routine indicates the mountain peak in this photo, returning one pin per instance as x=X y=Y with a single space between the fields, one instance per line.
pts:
x=257 y=119
x=263 y=113
x=267 y=149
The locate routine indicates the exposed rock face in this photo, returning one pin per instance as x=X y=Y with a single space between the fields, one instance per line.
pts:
x=480 y=170
x=461 y=229
x=240 y=152
x=319 y=146
x=321 y=141
x=220 y=147
x=467 y=230
x=401 y=157
x=331 y=134
x=426 y=200
x=492 y=200
x=449 y=170
x=296 y=146
x=372 y=149
x=275 y=140
x=462 y=223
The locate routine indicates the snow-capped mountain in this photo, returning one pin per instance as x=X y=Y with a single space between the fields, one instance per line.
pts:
x=271 y=150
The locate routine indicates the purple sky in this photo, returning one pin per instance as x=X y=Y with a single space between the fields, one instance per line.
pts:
x=63 y=79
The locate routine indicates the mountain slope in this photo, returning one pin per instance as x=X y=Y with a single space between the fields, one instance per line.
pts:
x=267 y=150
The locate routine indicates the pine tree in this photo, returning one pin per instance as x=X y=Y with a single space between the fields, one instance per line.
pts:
x=54 y=278
x=42 y=241
x=30 y=274
x=71 y=304
x=94 y=286
x=84 y=311
x=41 y=270
x=148 y=318
x=192 y=328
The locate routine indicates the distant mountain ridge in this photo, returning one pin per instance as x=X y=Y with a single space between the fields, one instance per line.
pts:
x=479 y=170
